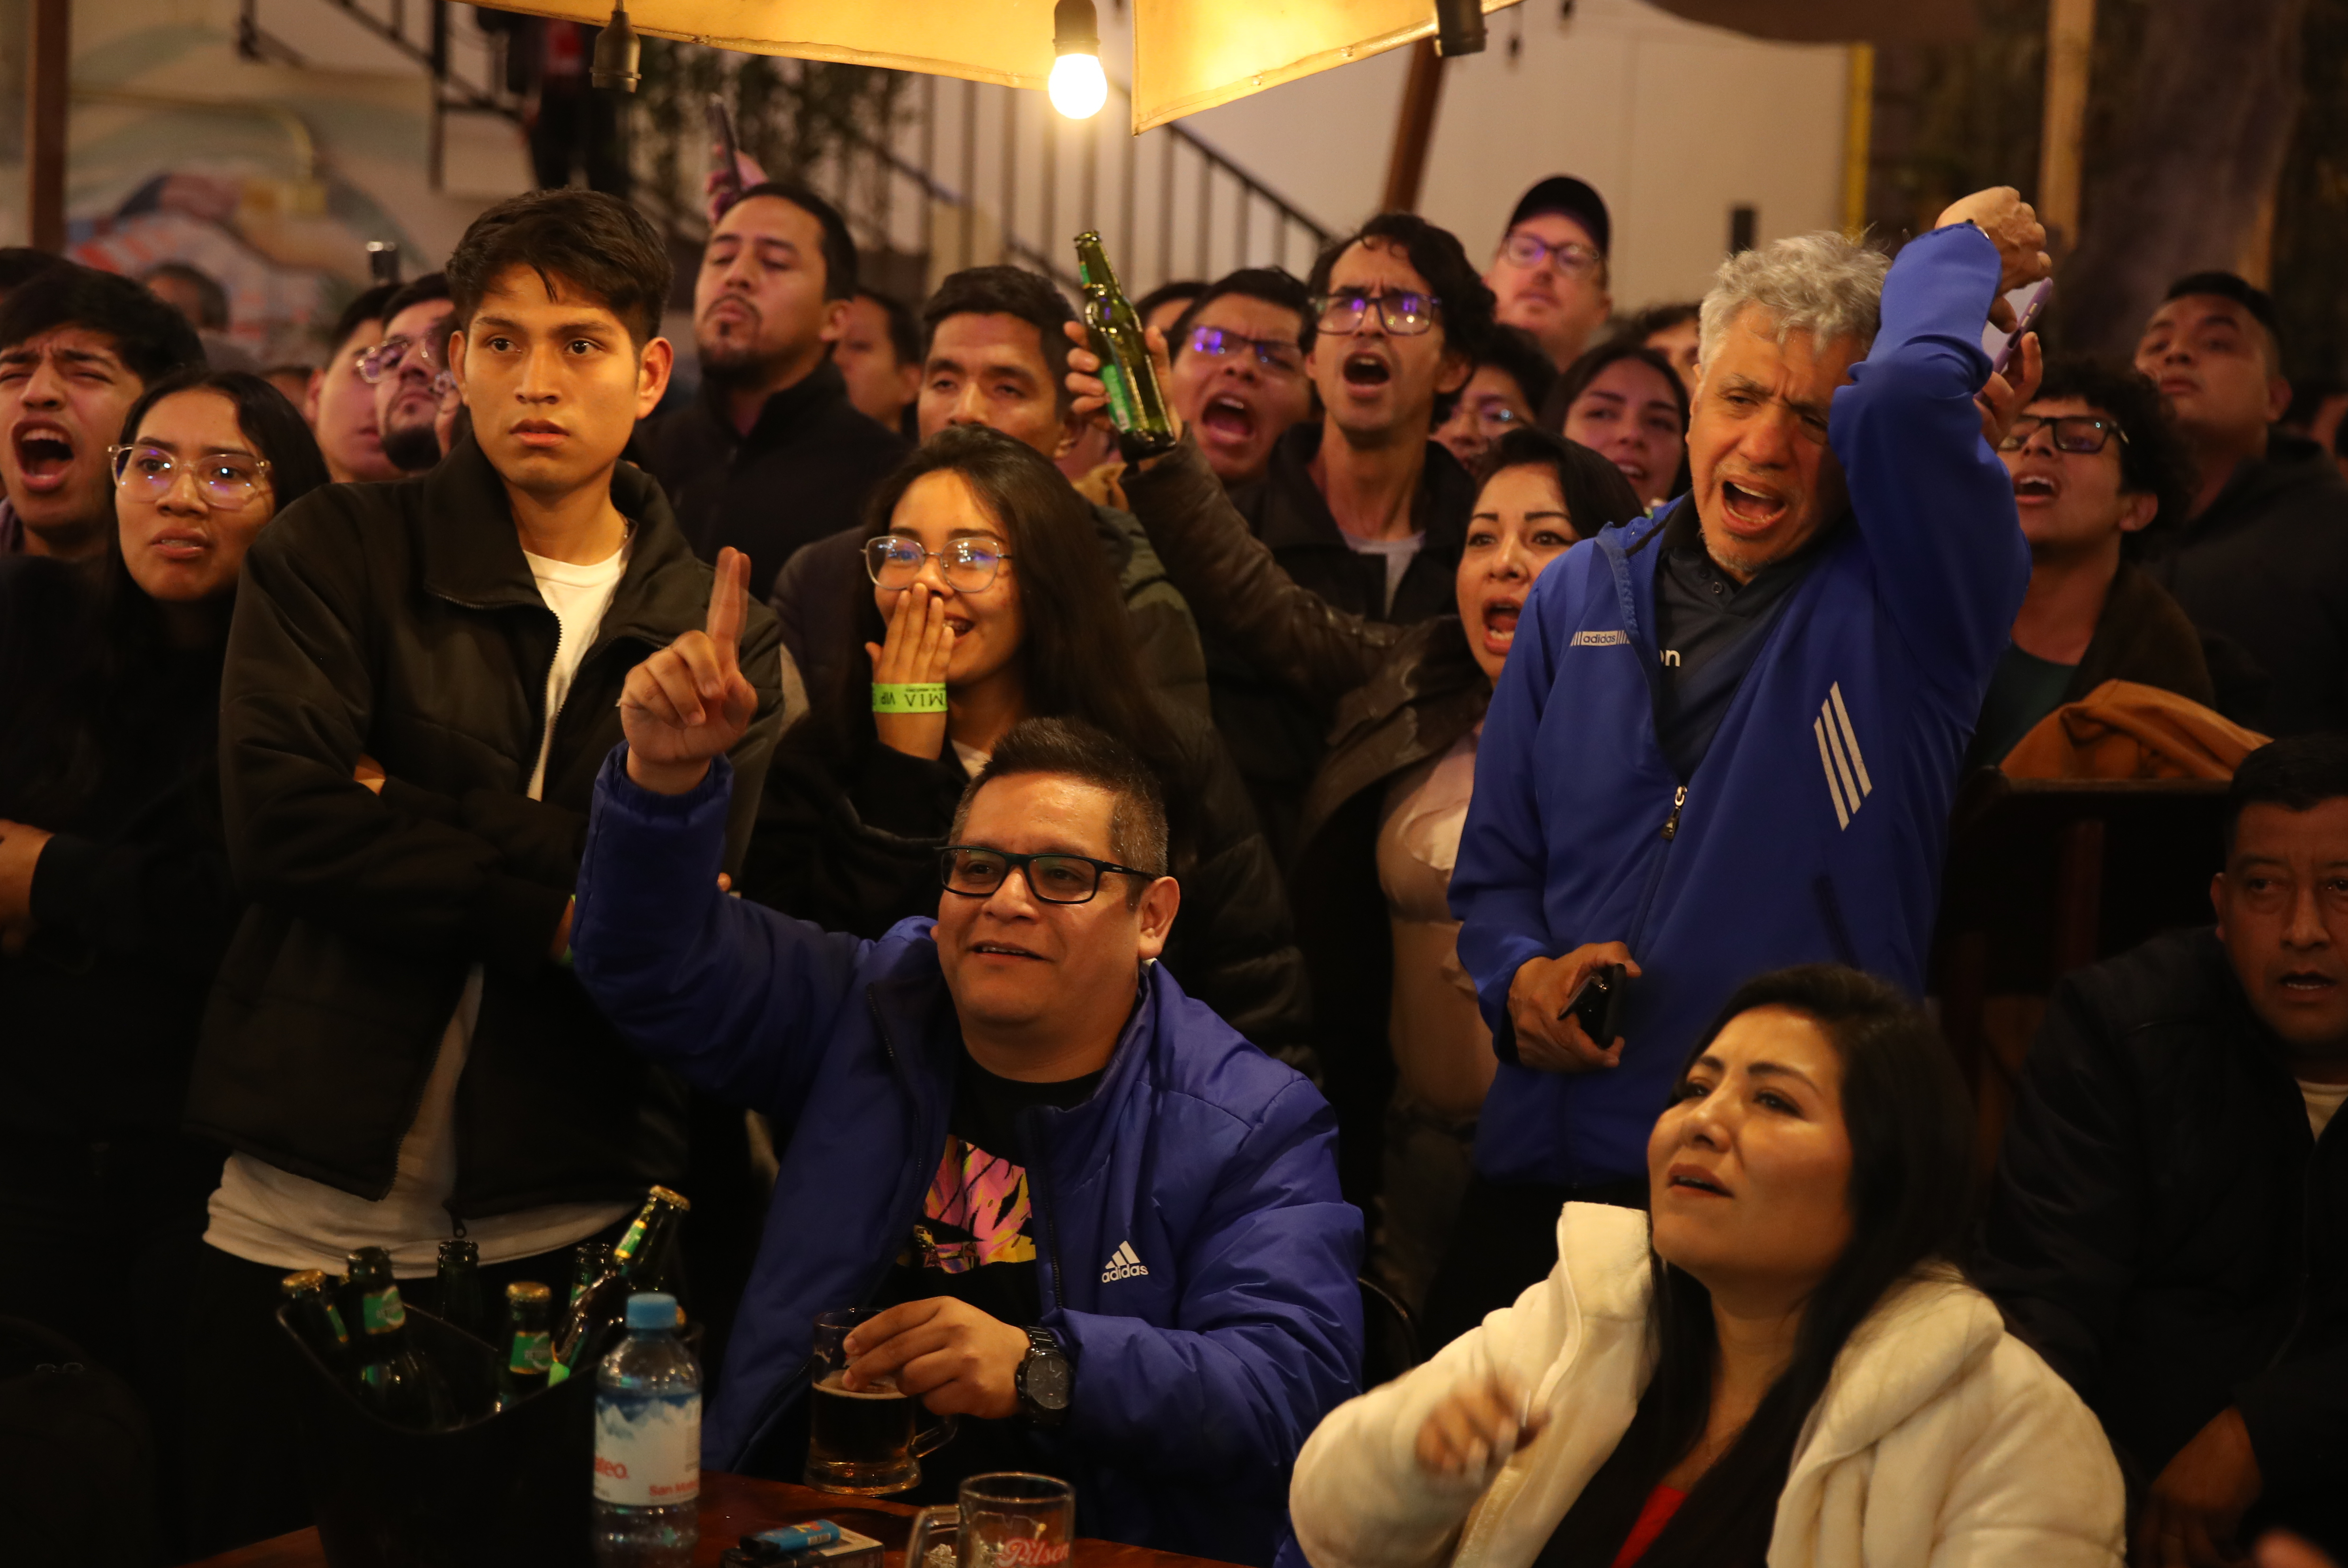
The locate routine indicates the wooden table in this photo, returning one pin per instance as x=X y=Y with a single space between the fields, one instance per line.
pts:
x=733 y=1506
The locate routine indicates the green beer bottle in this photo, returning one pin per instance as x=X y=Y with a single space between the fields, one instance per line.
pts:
x=1136 y=404
x=530 y=1348
x=461 y=1304
x=589 y=1259
x=394 y=1377
x=316 y=1319
x=637 y=1259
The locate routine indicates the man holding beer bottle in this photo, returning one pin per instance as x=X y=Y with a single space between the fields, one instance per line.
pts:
x=419 y=688
x=1101 y=1228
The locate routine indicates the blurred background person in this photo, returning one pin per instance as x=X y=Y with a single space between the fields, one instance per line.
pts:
x=1672 y=331
x=984 y=574
x=339 y=402
x=1548 y=273
x=2260 y=558
x=196 y=295
x=2094 y=465
x=1624 y=400
x=880 y=355
x=1236 y=377
x=116 y=900
x=1783 y=1363
x=770 y=455
x=1167 y=304
x=77 y=348
x=408 y=369
x=1512 y=378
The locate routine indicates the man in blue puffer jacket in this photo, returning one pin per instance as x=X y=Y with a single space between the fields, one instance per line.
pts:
x=1732 y=739
x=1129 y=1268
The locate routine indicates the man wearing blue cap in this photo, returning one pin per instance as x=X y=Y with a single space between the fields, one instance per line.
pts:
x=1549 y=271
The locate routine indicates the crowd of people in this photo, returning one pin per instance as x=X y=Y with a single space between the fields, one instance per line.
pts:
x=1335 y=1085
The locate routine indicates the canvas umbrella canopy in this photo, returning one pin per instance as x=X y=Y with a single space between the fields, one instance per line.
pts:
x=1189 y=54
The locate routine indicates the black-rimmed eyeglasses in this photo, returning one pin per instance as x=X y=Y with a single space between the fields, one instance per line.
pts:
x=2084 y=434
x=974 y=870
x=894 y=560
x=1269 y=352
x=1405 y=314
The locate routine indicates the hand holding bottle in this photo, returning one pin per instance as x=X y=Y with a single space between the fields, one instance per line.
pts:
x=1091 y=392
x=690 y=701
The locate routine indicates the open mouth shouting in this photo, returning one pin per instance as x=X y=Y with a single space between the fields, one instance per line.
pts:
x=1495 y=624
x=1752 y=507
x=2035 y=488
x=1368 y=372
x=44 y=455
x=1226 y=420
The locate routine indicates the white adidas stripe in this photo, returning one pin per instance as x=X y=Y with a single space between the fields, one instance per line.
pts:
x=1847 y=785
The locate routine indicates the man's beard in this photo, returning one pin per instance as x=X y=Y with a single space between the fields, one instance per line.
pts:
x=737 y=361
x=413 y=449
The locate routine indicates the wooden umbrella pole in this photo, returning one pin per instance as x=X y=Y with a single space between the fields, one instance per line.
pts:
x=46 y=87
x=1413 y=128
x=2070 y=48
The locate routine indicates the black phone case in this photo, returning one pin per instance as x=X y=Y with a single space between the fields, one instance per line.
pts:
x=1599 y=1007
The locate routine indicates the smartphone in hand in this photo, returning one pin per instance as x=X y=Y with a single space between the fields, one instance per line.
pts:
x=1597 y=1006
x=721 y=153
x=2029 y=304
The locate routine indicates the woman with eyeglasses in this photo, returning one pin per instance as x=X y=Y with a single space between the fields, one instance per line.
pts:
x=989 y=602
x=1395 y=1021
x=115 y=894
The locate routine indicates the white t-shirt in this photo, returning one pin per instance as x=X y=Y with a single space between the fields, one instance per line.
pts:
x=2322 y=1100
x=265 y=1215
x=1398 y=554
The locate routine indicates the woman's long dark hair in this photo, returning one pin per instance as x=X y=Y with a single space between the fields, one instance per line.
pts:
x=68 y=673
x=1906 y=1113
x=1595 y=492
x=1078 y=659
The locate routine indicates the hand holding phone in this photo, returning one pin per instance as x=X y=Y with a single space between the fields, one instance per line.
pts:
x=726 y=167
x=1597 y=1006
x=2029 y=304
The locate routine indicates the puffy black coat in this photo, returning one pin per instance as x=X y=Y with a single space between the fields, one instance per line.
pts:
x=401 y=621
x=2165 y=1229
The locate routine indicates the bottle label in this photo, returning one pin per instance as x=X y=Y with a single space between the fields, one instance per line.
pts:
x=629 y=1243
x=648 y=1451
x=531 y=1353
x=381 y=1311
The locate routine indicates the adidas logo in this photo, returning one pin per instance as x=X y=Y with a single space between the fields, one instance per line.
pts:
x=1123 y=1263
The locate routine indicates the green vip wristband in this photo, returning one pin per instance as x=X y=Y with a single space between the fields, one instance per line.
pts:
x=924 y=696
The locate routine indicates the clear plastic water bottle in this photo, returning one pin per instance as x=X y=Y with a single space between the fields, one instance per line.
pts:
x=647 y=1443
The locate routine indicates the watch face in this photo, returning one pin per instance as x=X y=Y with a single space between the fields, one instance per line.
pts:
x=1047 y=1380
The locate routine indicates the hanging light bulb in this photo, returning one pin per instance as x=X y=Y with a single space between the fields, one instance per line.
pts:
x=1079 y=88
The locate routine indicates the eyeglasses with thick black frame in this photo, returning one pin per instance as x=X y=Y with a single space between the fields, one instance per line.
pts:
x=1405 y=314
x=976 y=871
x=894 y=560
x=1272 y=353
x=2084 y=434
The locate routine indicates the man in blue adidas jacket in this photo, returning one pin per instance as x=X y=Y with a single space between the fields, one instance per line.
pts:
x=1131 y=1268
x=1731 y=738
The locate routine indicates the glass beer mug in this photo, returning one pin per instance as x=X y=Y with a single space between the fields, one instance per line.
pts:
x=865 y=1440
x=1009 y=1521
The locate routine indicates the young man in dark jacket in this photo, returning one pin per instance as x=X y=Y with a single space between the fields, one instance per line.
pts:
x=420 y=685
x=2170 y=1227
x=1726 y=738
x=1103 y=1229
x=2262 y=558
x=770 y=454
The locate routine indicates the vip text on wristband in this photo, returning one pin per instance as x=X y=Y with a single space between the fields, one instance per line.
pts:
x=923 y=696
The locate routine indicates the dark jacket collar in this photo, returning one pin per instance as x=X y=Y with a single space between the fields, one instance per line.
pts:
x=1430 y=692
x=1293 y=512
x=471 y=555
x=783 y=413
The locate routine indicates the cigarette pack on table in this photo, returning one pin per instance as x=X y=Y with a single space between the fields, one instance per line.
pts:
x=815 y=1544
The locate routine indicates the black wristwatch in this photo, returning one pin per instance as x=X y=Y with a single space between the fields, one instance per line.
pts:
x=1046 y=1379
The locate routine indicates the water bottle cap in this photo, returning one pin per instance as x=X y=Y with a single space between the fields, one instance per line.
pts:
x=652 y=1309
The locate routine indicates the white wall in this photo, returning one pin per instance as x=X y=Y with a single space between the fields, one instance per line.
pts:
x=1672 y=121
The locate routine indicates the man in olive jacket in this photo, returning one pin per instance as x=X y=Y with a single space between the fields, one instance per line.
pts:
x=421 y=682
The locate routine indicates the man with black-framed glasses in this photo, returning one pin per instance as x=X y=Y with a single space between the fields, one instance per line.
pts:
x=2095 y=463
x=414 y=395
x=1549 y=272
x=1238 y=358
x=1100 y=1228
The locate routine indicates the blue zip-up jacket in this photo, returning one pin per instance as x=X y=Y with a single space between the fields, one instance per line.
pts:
x=1812 y=830
x=1199 y=1374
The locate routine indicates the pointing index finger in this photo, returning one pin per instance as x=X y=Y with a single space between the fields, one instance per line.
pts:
x=728 y=604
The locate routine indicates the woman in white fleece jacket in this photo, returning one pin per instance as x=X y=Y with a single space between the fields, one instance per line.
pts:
x=1785 y=1374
